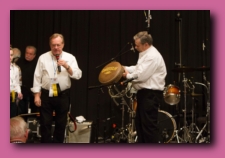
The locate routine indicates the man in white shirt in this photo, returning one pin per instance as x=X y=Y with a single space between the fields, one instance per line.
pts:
x=51 y=88
x=149 y=80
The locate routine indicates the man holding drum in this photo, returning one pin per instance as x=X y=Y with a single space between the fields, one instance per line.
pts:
x=149 y=80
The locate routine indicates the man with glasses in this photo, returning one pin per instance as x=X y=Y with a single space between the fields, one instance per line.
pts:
x=51 y=88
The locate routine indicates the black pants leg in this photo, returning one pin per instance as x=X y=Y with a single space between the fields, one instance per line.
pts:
x=60 y=105
x=147 y=115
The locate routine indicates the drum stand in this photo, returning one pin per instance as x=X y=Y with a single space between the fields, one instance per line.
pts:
x=120 y=135
x=127 y=134
x=193 y=125
x=207 y=124
x=186 y=134
x=193 y=128
x=132 y=134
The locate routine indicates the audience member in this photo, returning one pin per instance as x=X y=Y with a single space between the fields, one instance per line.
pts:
x=27 y=65
x=18 y=130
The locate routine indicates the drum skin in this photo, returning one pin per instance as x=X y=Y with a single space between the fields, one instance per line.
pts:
x=111 y=73
x=167 y=126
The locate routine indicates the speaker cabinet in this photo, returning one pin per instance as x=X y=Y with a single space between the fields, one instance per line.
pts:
x=82 y=134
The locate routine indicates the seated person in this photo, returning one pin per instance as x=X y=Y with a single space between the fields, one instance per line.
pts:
x=18 y=130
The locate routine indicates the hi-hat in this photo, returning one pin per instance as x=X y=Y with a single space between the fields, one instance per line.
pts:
x=183 y=69
x=203 y=68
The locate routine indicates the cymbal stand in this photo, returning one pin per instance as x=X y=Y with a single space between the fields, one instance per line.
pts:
x=207 y=124
x=186 y=134
x=193 y=126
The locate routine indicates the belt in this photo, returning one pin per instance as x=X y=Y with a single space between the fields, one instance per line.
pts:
x=151 y=90
x=47 y=91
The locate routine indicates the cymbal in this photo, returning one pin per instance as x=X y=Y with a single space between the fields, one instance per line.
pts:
x=203 y=68
x=183 y=69
x=195 y=95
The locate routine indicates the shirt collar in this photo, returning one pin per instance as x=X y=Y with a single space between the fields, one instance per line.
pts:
x=141 y=54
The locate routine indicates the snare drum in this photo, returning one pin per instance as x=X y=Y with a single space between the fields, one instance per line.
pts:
x=167 y=126
x=171 y=94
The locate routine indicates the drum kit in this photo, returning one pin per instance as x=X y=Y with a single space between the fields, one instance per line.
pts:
x=172 y=94
x=111 y=75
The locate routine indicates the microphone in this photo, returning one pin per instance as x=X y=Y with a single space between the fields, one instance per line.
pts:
x=132 y=48
x=57 y=58
x=128 y=80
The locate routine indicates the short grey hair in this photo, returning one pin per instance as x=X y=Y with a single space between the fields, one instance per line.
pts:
x=144 y=37
x=16 y=54
x=55 y=35
x=18 y=127
x=31 y=47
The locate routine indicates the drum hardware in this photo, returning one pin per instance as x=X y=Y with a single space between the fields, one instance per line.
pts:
x=125 y=133
x=183 y=69
x=186 y=134
x=193 y=128
x=207 y=124
x=132 y=134
x=193 y=95
x=122 y=132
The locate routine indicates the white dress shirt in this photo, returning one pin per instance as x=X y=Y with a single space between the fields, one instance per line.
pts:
x=150 y=70
x=46 y=68
x=14 y=78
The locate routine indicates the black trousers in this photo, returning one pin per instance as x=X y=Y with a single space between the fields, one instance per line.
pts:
x=60 y=105
x=147 y=115
x=23 y=105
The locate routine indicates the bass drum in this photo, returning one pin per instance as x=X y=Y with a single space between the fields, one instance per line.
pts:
x=171 y=94
x=167 y=126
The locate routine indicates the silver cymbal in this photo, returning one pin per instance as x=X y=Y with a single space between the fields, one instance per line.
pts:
x=183 y=69
x=203 y=68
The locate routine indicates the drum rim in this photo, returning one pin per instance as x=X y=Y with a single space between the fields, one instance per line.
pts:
x=114 y=79
x=173 y=121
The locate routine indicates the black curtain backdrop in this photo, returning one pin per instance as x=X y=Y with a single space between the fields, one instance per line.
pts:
x=96 y=36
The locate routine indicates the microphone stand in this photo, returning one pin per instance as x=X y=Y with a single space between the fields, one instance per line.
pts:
x=112 y=59
x=98 y=105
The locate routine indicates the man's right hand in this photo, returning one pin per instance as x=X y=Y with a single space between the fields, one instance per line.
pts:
x=37 y=99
